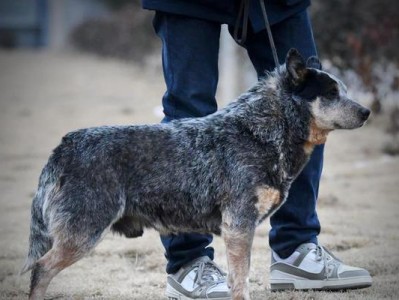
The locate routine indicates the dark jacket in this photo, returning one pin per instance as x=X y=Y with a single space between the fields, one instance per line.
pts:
x=225 y=11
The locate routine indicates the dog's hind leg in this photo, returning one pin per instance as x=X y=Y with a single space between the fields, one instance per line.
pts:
x=238 y=241
x=68 y=247
x=48 y=266
x=76 y=224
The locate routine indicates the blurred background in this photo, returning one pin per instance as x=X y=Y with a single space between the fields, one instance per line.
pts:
x=359 y=41
x=68 y=64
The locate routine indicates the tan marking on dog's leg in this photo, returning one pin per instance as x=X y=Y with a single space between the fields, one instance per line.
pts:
x=317 y=136
x=267 y=198
x=238 y=250
x=47 y=267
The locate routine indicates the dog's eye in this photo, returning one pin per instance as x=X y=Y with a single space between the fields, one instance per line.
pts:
x=333 y=92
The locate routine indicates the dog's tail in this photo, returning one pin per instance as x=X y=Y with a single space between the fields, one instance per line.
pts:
x=40 y=241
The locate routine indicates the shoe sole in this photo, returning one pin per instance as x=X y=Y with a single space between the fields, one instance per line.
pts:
x=173 y=294
x=289 y=282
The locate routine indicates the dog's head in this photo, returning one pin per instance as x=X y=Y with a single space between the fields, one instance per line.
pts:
x=327 y=95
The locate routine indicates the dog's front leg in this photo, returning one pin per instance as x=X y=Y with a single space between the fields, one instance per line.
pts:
x=238 y=241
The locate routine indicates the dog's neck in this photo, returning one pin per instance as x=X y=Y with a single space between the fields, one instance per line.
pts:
x=316 y=136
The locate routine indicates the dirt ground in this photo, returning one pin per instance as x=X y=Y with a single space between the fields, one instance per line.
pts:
x=43 y=95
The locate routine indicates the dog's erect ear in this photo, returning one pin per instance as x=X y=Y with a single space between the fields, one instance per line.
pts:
x=295 y=65
x=313 y=62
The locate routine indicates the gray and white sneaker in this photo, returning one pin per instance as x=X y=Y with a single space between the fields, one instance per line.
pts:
x=201 y=279
x=314 y=267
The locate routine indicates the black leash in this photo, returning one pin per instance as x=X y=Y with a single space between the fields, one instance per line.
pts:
x=269 y=33
x=243 y=14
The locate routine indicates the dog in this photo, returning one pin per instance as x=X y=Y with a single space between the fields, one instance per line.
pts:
x=222 y=174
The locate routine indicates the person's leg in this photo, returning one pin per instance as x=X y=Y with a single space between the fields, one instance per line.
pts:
x=190 y=63
x=296 y=222
x=190 y=49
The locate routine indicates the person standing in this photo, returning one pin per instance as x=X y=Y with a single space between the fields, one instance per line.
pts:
x=190 y=32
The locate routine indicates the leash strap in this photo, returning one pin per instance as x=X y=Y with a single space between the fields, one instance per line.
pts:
x=269 y=33
x=243 y=14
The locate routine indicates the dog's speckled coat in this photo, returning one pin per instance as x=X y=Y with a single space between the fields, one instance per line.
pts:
x=222 y=173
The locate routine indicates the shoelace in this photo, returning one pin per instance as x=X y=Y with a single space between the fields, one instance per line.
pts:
x=322 y=254
x=206 y=273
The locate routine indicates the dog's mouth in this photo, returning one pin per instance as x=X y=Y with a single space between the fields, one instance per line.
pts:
x=337 y=126
x=350 y=125
x=364 y=122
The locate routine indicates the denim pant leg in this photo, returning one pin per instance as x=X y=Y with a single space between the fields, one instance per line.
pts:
x=190 y=63
x=296 y=221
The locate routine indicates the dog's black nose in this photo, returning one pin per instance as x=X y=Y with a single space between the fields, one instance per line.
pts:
x=365 y=113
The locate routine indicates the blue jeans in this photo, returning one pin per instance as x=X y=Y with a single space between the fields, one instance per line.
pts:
x=190 y=64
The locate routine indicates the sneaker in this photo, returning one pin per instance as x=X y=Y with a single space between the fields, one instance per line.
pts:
x=314 y=267
x=200 y=279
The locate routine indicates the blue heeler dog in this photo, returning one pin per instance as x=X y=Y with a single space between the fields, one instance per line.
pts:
x=222 y=174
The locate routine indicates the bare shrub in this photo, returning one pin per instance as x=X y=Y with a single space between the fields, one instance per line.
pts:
x=357 y=35
x=363 y=35
x=127 y=33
